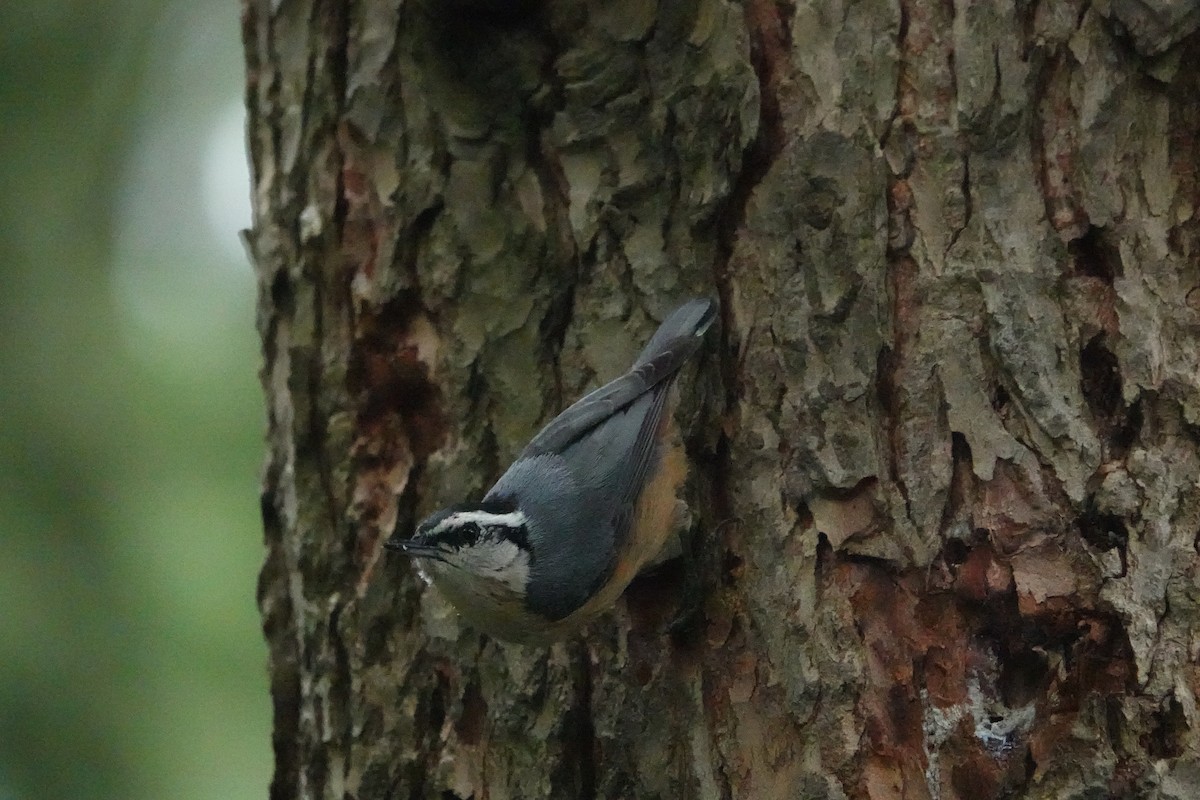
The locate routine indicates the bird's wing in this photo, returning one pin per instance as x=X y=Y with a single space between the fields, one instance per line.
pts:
x=676 y=339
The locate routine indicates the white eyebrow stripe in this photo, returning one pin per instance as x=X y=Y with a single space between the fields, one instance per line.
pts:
x=513 y=519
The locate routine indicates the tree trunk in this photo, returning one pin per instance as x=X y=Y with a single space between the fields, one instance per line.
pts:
x=945 y=454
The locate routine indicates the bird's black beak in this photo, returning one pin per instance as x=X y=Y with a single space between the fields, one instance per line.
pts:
x=411 y=548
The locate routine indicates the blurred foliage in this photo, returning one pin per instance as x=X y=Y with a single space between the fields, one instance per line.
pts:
x=131 y=661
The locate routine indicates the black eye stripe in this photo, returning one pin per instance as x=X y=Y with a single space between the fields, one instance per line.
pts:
x=474 y=528
x=460 y=535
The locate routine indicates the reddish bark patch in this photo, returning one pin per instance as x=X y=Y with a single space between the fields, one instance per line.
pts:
x=769 y=47
x=470 y=723
x=976 y=670
x=360 y=208
x=401 y=419
x=891 y=709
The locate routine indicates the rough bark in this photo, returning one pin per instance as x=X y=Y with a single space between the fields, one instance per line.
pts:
x=946 y=453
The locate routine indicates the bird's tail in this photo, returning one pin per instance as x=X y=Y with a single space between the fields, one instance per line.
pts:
x=672 y=344
x=685 y=325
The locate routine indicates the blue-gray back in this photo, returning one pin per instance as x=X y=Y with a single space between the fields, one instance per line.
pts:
x=579 y=478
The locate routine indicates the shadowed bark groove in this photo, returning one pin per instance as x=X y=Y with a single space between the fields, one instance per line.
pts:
x=943 y=508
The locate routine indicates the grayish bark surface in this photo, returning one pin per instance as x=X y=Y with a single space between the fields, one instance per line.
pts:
x=946 y=452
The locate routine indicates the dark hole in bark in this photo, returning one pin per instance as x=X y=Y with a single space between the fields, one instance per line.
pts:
x=1095 y=254
x=1000 y=397
x=960 y=450
x=1100 y=384
x=825 y=551
x=1013 y=633
x=1170 y=730
x=1022 y=676
x=282 y=296
x=1104 y=532
x=1100 y=380
x=956 y=551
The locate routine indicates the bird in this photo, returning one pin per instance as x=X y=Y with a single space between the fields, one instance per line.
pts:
x=587 y=503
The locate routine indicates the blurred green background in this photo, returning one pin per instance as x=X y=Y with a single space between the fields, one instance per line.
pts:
x=131 y=663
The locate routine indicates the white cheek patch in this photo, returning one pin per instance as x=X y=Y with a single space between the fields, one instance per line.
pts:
x=502 y=561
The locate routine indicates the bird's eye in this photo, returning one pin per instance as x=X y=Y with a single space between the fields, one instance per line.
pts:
x=459 y=536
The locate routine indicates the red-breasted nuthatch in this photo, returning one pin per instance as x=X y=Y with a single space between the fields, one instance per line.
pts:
x=587 y=503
